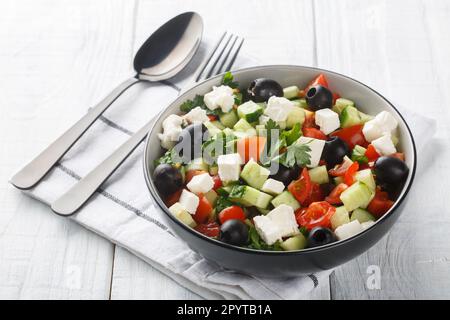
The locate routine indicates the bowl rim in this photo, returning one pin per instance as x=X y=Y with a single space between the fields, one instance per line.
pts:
x=158 y=201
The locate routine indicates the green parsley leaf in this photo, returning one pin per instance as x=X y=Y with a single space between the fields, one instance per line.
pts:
x=227 y=80
x=170 y=157
x=255 y=241
x=188 y=105
x=296 y=154
x=292 y=135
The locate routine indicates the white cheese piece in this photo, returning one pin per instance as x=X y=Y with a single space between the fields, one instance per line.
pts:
x=348 y=230
x=316 y=147
x=196 y=115
x=201 y=183
x=273 y=186
x=229 y=166
x=327 y=120
x=171 y=131
x=383 y=123
x=267 y=230
x=278 y=108
x=384 y=145
x=189 y=201
x=221 y=97
x=263 y=119
x=371 y=130
x=367 y=224
x=284 y=218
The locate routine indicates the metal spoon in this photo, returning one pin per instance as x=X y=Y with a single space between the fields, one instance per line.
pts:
x=165 y=53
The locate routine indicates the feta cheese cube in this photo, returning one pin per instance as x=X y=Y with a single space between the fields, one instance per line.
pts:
x=367 y=224
x=189 y=201
x=171 y=131
x=278 y=108
x=263 y=119
x=196 y=115
x=348 y=230
x=266 y=229
x=316 y=147
x=372 y=130
x=229 y=166
x=283 y=217
x=273 y=186
x=221 y=97
x=201 y=183
x=384 y=145
x=327 y=120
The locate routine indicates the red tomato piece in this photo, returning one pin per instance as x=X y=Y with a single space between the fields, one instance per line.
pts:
x=318 y=214
x=352 y=136
x=301 y=188
x=335 y=97
x=210 y=229
x=212 y=117
x=316 y=194
x=319 y=80
x=251 y=147
x=398 y=155
x=309 y=122
x=314 y=133
x=173 y=198
x=349 y=177
x=334 y=196
x=217 y=182
x=233 y=212
x=371 y=153
x=191 y=173
x=380 y=204
x=203 y=211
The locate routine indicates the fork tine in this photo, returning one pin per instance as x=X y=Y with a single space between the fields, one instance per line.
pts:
x=206 y=61
x=211 y=70
x=227 y=55
x=233 y=58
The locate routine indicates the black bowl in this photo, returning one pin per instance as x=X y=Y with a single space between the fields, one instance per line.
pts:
x=290 y=263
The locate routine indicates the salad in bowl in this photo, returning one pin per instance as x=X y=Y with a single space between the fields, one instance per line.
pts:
x=273 y=168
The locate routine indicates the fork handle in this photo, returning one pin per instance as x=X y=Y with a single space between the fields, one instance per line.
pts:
x=34 y=171
x=74 y=199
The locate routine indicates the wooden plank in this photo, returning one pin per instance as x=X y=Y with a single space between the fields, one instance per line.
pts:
x=57 y=59
x=398 y=48
x=132 y=278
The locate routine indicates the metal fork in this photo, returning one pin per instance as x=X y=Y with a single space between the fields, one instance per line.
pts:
x=221 y=59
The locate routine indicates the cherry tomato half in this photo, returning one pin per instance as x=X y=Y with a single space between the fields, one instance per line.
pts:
x=203 y=211
x=349 y=177
x=352 y=136
x=210 y=229
x=217 y=182
x=314 y=133
x=301 y=188
x=233 y=212
x=334 y=197
x=380 y=204
x=318 y=214
x=371 y=153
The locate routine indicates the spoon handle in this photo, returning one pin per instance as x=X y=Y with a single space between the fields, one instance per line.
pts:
x=34 y=171
x=73 y=199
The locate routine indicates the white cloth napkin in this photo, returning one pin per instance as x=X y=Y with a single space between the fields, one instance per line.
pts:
x=122 y=210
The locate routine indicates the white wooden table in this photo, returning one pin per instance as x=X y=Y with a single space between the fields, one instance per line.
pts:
x=57 y=58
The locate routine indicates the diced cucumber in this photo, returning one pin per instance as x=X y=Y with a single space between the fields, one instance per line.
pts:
x=250 y=111
x=249 y=196
x=349 y=117
x=341 y=103
x=262 y=104
x=297 y=115
x=319 y=175
x=244 y=134
x=229 y=119
x=263 y=211
x=355 y=196
x=197 y=164
x=237 y=98
x=211 y=196
x=213 y=170
x=296 y=242
x=361 y=215
x=394 y=139
x=286 y=198
x=365 y=117
x=261 y=130
x=228 y=132
x=218 y=124
x=181 y=214
x=338 y=180
x=367 y=178
x=254 y=174
x=212 y=129
x=358 y=154
x=301 y=103
x=242 y=125
x=291 y=92
x=340 y=217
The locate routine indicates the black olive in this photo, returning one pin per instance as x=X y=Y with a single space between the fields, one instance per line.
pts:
x=260 y=90
x=190 y=142
x=334 y=151
x=319 y=236
x=167 y=178
x=234 y=232
x=319 y=97
x=391 y=173
x=285 y=175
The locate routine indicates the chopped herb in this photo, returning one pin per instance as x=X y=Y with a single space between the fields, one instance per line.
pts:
x=296 y=154
x=304 y=231
x=292 y=135
x=188 y=105
x=170 y=157
x=216 y=146
x=255 y=241
x=222 y=203
x=237 y=191
x=227 y=80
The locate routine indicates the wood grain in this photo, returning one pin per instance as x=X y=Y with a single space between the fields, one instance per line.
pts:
x=57 y=59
